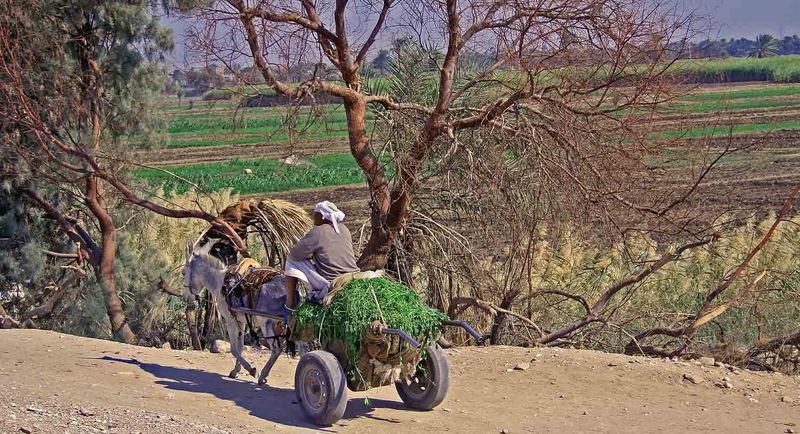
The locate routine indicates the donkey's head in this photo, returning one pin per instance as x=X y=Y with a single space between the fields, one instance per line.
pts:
x=202 y=270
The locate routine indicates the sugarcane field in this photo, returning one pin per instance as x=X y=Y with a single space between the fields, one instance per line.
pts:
x=247 y=216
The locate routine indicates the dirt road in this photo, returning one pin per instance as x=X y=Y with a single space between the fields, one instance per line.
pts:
x=57 y=383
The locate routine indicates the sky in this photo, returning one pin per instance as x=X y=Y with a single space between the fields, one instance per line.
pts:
x=728 y=19
x=748 y=18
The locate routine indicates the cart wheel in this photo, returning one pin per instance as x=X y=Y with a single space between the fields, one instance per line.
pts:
x=319 y=382
x=428 y=387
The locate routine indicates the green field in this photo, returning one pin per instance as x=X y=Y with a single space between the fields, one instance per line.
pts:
x=266 y=176
x=222 y=124
x=749 y=93
x=726 y=105
x=778 y=69
x=196 y=124
x=255 y=138
x=725 y=130
x=209 y=125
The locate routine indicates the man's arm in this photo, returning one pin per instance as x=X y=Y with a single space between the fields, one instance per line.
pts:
x=305 y=247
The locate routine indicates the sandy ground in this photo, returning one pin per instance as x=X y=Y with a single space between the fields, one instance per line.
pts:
x=55 y=383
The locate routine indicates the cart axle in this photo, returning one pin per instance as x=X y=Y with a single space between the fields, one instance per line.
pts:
x=467 y=327
x=397 y=332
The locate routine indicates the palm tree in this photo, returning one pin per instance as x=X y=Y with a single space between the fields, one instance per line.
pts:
x=382 y=62
x=764 y=46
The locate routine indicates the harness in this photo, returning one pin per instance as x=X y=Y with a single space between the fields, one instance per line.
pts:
x=229 y=294
x=243 y=284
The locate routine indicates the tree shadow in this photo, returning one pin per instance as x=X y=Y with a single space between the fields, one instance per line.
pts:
x=275 y=404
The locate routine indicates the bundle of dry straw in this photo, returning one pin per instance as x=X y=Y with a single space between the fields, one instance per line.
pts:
x=279 y=223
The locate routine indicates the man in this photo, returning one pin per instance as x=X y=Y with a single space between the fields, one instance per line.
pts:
x=322 y=255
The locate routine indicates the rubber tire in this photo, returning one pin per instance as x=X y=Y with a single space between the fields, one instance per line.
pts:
x=437 y=382
x=335 y=387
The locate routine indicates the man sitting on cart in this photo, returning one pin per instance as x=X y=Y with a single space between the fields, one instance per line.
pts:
x=322 y=255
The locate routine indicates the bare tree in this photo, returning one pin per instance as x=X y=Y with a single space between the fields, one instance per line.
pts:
x=560 y=74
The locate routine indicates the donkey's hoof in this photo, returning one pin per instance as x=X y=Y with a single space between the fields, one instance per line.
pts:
x=252 y=372
x=233 y=374
x=262 y=381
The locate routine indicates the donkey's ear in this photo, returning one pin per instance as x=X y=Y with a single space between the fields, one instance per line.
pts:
x=208 y=245
x=189 y=248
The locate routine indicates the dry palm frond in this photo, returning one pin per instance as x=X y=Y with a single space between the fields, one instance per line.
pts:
x=279 y=223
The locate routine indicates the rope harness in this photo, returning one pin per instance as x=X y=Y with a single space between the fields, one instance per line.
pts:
x=244 y=289
x=229 y=294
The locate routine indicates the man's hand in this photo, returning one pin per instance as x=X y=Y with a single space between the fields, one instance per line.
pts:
x=283 y=326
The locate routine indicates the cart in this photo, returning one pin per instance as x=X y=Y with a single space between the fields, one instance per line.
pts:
x=418 y=370
x=388 y=356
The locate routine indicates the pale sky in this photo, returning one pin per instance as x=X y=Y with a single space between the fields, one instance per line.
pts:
x=728 y=19
x=748 y=18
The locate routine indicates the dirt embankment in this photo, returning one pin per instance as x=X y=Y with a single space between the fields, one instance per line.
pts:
x=56 y=383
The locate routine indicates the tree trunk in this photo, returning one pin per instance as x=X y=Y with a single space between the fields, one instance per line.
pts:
x=104 y=271
x=499 y=319
x=191 y=324
x=209 y=321
x=376 y=253
x=377 y=250
x=105 y=276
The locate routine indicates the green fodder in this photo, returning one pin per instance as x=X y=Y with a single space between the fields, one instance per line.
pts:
x=353 y=309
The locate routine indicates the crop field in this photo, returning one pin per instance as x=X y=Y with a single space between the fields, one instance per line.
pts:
x=779 y=69
x=259 y=176
x=213 y=145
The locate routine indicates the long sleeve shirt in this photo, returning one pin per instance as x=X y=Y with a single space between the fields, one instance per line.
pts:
x=332 y=253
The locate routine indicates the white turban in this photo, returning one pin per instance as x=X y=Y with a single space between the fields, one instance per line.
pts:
x=330 y=213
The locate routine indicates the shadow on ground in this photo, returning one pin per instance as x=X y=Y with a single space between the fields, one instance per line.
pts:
x=274 y=404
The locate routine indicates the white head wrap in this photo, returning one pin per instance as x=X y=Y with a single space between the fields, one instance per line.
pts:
x=330 y=213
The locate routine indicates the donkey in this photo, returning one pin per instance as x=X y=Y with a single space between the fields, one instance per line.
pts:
x=204 y=270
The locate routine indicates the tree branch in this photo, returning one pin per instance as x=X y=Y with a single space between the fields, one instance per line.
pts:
x=387 y=4
x=592 y=315
x=76 y=233
x=56 y=294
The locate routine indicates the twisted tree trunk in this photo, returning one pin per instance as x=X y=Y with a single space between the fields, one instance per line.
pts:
x=104 y=270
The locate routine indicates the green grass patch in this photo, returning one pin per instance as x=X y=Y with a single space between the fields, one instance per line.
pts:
x=725 y=130
x=760 y=92
x=726 y=105
x=268 y=175
x=254 y=139
x=196 y=124
x=206 y=110
x=266 y=131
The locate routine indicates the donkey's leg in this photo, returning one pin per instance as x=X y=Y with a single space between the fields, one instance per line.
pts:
x=236 y=336
x=268 y=330
x=232 y=331
x=241 y=321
